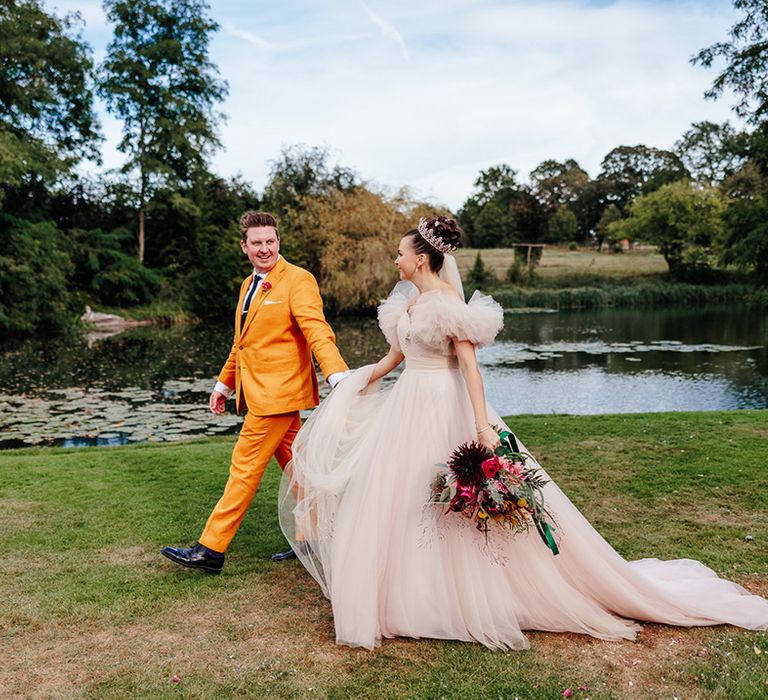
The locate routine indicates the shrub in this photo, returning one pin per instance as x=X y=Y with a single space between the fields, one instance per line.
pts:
x=106 y=272
x=631 y=295
x=35 y=274
x=480 y=277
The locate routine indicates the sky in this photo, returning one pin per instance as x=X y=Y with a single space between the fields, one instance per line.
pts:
x=427 y=93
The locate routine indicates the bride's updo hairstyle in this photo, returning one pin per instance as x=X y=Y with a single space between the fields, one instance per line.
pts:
x=434 y=238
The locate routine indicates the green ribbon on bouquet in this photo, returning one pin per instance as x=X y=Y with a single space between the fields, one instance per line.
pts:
x=545 y=530
x=507 y=448
x=506 y=437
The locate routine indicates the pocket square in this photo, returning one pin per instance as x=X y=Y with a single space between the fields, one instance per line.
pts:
x=268 y=301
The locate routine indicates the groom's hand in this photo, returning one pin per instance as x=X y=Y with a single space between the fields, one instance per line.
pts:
x=337 y=377
x=217 y=402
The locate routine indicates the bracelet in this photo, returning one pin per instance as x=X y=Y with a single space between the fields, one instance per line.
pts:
x=480 y=430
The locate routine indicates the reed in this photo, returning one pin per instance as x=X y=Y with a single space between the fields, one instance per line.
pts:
x=643 y=295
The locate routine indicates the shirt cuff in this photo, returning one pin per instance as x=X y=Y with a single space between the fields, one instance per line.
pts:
x=336 y=377
x=222 y=388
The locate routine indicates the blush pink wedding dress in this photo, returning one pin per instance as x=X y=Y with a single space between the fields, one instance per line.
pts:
x=353 y=504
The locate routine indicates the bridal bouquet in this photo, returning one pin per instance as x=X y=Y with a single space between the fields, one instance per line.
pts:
x=495 y=488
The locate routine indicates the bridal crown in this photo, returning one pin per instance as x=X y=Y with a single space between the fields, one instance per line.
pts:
x=433 y=239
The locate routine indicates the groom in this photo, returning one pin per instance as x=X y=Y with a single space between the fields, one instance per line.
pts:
x=279 y=325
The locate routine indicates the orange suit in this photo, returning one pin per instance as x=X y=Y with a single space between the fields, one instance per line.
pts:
x=270 y=367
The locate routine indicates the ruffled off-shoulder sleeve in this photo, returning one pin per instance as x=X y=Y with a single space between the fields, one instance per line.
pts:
x=478 y=321
x=392 y=308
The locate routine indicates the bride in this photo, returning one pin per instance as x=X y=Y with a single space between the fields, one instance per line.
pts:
x=353 y=502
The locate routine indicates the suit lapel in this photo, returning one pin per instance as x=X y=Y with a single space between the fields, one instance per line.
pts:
x=274 y=277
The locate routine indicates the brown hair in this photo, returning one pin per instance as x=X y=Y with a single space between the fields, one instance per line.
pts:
x=253 y=219
x=446 y=230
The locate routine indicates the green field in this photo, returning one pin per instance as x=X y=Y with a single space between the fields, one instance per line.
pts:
x=558 y=262
x=90 y=609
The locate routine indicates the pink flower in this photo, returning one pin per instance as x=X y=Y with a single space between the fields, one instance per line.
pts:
x=567 y=693
x=515 y=468
x=175 y=679
x=467 y=493
x=491 y=467
x=500 y=486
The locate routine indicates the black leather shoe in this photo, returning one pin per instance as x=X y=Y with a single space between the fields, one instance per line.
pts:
x=284 y=556
x=302 y=548
x=197 y=557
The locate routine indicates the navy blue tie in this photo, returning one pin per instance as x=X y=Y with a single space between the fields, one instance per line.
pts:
x=247 y=302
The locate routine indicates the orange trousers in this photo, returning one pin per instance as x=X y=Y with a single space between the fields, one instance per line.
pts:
x=261 y=438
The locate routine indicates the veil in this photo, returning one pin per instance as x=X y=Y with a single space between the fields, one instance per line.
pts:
x=450 y=274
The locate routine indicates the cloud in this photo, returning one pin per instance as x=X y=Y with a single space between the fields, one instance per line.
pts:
x=250 y=37
x=388 y=30
x=488 y=82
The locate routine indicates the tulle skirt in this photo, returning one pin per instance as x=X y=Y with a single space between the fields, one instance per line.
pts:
x=354 y=504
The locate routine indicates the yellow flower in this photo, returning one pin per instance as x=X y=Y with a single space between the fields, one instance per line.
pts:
x=522 y=502
x=482 y=515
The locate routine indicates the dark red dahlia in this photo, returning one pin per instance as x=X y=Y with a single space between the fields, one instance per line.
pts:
x=466 y=463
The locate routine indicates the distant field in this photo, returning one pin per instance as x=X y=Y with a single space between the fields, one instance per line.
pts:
x=560 y=261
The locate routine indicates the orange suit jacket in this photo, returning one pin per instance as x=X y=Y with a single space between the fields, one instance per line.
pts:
x=271 y=358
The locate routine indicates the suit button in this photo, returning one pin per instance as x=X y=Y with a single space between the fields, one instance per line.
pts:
x=239 y=347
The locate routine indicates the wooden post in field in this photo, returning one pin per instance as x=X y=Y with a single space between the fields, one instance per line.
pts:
x=530 y=247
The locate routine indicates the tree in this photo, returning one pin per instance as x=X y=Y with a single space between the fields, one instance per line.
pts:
x=47 y=123
x=216 y=266
x=603 y=229
x=497 y=180
x=500 y=211
x=486 y=226
x=744 y=239
x=565 y=184
x=358 y=230
x=629 y=171
x=710 y=152
x=563 y=225
x=486 y=216
x=746 y=56
x=682 y=219
x=297 y=176
x=157 y=78
x=557 y=184
x=530 y=217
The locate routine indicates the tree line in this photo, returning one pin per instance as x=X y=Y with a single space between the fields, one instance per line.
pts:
x=704 y=203
x=161 y=229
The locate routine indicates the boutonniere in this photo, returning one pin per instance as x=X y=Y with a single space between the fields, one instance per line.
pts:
x=265 y=287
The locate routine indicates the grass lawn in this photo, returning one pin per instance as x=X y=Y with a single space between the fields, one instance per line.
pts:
x=89 y=608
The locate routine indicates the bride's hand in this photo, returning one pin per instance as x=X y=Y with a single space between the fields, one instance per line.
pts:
x=488 y=438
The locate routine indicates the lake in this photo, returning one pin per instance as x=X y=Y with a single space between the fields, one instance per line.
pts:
x=152 y=384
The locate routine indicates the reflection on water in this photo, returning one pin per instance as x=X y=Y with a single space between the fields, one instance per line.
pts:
x=152 y=384
x=617 y=361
